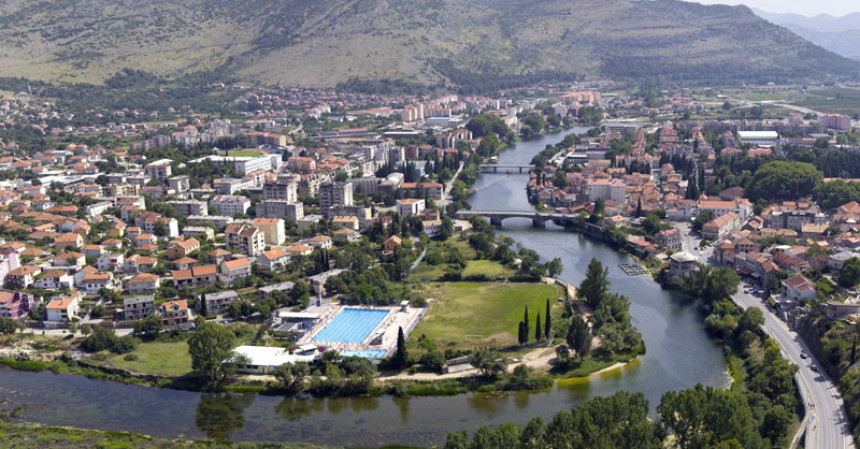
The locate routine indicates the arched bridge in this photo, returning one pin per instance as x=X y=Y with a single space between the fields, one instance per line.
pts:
x=506 y=168
x=496 y=217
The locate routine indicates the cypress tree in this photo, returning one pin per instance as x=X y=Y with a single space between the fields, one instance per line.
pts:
x=203 y=310
x=520 y=336
x=548 y=322
x=639 y=208
x=538 y=329
x=401 y=358
x=526 y=324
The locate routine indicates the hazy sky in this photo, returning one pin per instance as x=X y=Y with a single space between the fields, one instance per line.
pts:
x=805 y=7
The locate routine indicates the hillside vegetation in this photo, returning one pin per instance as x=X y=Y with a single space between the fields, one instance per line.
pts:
x=472 y=44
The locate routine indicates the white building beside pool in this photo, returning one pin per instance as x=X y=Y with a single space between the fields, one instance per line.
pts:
x=263 y=359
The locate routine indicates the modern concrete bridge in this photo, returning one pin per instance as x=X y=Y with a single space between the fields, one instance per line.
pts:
x=506 y=168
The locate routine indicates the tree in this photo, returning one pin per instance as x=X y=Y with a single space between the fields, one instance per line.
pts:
x=548 y=321
x=160 y=229
x=579 y=337
x=784 y=180
x=489 y=363
x=538 y=329
x=101 y=339
x=850 y=274
x=210 y=346
x=595 y=284
x=639 y=207
x=526 y=325
x=562 y=354
x=521 y=333
x=401 y=358
x=752 y=320
x=775 y=423
x=203 y=310
x=148 y=327
x=554 y=267
x=9 y=326
x=292 y=376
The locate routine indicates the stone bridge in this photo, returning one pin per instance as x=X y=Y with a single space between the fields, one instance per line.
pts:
x=506 y=168
x=496 y=217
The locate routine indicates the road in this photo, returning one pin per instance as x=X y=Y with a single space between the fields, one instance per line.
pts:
x=448 y=185
x=828 y=427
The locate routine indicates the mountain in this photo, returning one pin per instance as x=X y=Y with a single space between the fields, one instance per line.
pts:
x=824 y=23
x=840 y=35
x=473 y=44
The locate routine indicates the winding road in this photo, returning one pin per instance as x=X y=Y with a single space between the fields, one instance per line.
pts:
x=827 y=422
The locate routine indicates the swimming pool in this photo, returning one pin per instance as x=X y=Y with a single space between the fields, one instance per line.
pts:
x=350 y=326
x=370 y=354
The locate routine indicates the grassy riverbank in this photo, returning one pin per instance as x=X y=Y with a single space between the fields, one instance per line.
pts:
x=35 y=436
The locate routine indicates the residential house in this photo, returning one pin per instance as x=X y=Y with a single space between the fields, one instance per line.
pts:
x=392 y=243
x=346 y=235
x=55 y=280
x=216 y=303
x=138 y=307
x=175 y=314
x=274 y=259
x=299 y=250
x=94 y=282
x=319 y=241
x=23 y=277
x=184 y=263
x=110 y=262
x=143 y=284
x=14 y=304
x=235 y=269
x=139 y=264
x=93 y=251
x=62 y=309
x=345 y=221
x=798 y=288
x=196 y=277
x=180 y=248
x=70 y=240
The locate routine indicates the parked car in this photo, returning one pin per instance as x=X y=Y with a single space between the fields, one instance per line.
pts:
x=803 y=355
x=813 y=367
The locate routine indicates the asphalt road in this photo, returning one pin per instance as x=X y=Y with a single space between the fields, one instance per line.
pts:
x=828 y=427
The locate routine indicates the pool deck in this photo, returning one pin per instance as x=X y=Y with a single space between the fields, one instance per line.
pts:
x=395 y=319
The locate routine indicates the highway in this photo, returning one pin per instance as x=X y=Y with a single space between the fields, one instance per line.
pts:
x=828 y=427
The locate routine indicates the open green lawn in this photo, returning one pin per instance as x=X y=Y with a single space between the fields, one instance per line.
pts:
x=245 y=153
x=489 y=268
x=466 y=313
x=167 y=359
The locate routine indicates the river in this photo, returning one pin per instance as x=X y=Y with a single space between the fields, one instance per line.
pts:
x=679 y=355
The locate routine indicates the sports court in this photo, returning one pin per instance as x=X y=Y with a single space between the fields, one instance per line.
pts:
x=350 y=326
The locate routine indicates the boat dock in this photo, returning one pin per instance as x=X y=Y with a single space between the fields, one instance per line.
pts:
x=633 y=269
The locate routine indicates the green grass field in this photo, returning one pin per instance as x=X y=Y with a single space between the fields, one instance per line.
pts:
x=466 y=313
x=489 y=268
x=245 y=153
x=166 y=359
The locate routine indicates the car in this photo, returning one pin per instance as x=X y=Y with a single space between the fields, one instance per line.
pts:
x=813 y=367
x=803 y=355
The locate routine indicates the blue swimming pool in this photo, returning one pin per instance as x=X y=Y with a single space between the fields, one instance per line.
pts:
x=350 y=326
x=370 y=354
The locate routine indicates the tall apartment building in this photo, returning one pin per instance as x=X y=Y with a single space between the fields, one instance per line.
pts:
x=247 y=239
x=335 y=194
x=190 y=207
x=280 y=209
x=837 y=122
x=285 y=188
x=159 y=170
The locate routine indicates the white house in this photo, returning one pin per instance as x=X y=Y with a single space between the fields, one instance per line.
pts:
x=62 y=309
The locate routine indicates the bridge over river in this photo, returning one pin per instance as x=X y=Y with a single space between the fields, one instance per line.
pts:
x=506 y=168
x=496 y=217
